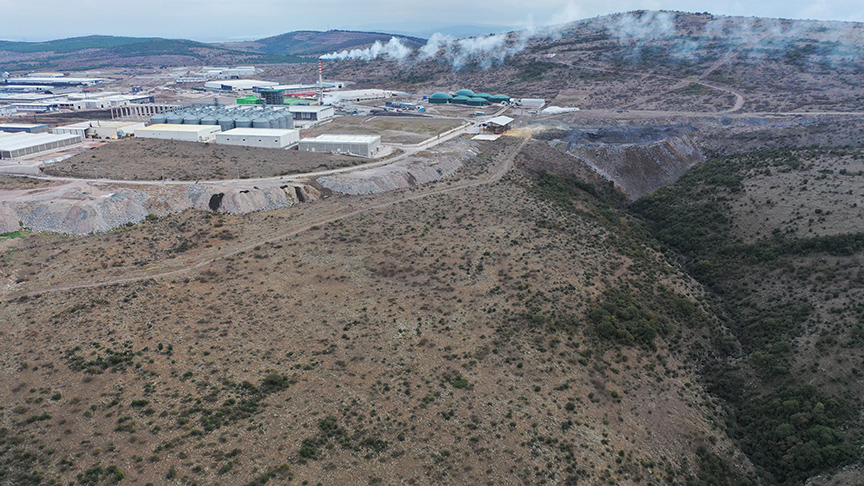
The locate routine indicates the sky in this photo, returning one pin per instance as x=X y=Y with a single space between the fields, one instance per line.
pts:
x=225 y=20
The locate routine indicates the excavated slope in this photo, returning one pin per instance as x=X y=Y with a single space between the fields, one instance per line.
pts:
x=82 y=208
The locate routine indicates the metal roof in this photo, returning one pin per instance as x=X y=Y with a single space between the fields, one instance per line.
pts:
x=308 y=108
x=20 y=126
x=18 y=141
x=100 y=124
x=327 y=138
x=500 y=120
x=252 y=132
x=164 y=127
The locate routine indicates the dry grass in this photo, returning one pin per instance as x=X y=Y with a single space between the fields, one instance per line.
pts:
x=413 y=327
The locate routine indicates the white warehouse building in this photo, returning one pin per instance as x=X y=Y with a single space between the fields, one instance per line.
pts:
x=13 y=145
x=362 y=145
x=186 y=133
x=307 y=115
x=259 y=137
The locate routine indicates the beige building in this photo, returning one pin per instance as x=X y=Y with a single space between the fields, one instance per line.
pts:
x=100 y=129
x=187 y=133
x=259 y=137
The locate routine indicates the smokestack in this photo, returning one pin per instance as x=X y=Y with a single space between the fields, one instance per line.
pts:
x=320 y=83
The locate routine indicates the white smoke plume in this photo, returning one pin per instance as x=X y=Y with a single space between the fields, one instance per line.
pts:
x=643 y=26
x=747 y=38
x=393 y=49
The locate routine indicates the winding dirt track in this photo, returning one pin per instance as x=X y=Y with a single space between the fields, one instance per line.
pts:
x=304 y=225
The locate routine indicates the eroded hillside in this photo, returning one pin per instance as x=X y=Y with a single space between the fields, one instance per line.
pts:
x=519 y=332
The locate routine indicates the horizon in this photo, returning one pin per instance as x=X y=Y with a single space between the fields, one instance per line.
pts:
x=25 y=24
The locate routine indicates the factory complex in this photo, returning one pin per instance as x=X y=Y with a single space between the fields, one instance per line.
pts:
x=244 y=112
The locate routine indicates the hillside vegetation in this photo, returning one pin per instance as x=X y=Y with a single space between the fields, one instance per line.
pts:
x=790 y=291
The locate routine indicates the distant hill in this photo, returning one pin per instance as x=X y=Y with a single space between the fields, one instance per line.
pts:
x=101 y=51
x=98 y=51
x=314 y=43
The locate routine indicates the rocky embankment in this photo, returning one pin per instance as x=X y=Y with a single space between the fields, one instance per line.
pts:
x=639 y=160
x=84 y=208
x=423 y=169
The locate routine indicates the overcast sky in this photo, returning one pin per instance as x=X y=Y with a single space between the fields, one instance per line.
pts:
x=218 y=20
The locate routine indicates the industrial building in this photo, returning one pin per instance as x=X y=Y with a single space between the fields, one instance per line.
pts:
x=186 y=133
x=238 y=85
x=31 y=97
x=55 y=81
x=259 y=137
x=100 y=129
x=7 y=110
x=37 y=106
x=499 y=124
x=361 y=145
x=14 y=145
x=358 y=95
x=24 y=127
x=532 y=103
x=310 y=115
x=402 y=105
x=228 y=117
x=440 y=98
x=229 y=73
x=468 y=97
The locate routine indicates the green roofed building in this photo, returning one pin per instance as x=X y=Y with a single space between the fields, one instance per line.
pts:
x=249 y=100
x=440 y=98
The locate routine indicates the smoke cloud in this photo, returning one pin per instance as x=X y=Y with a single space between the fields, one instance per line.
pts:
x=747 y=38
x=393 y=49
x=485 y=51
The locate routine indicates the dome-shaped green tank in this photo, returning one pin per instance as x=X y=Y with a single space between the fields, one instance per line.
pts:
x=440 y=98
x=465 y=92
x=460 y=100
x=477 y=101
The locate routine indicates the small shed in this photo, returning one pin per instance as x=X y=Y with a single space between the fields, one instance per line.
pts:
x=499 y=124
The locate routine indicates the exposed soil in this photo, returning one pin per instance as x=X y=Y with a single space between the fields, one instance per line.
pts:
x=393 y=129
x=147 y=159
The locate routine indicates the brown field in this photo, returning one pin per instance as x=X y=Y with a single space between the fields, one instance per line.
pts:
x=140 y=159
x=393 y=129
